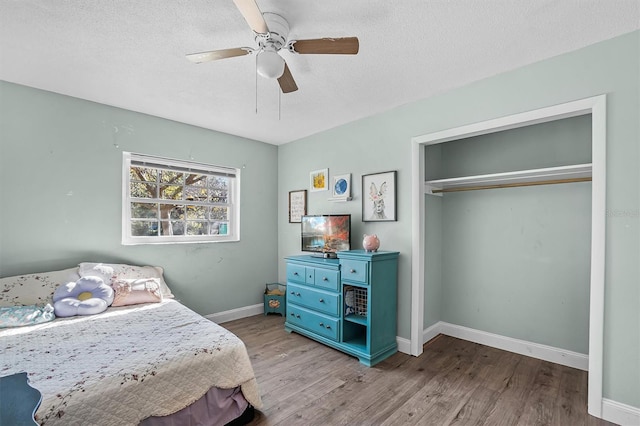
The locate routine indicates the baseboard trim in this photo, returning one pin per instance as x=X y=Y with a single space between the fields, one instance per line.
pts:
x=522 y=347
x=234 y=314
x=404 y=345
x=622 y=414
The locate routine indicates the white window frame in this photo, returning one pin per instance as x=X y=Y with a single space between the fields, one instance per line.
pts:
x=233 y=227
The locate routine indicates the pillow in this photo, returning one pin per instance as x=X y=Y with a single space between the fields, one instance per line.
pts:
x=33 y=289
x=17 y=316
x=87 y=296
x=111 y=272
x=134 y=291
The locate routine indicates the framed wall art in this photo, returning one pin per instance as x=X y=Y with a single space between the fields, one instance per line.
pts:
x=319 y=180
x=379 y=197
x=341 y=187
x=297 y=205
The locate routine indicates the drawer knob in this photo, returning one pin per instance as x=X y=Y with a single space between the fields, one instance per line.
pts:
x=353 y=271
x=293 y=292
x=292 y=314
x=298 y=294
x=328 y=327
x=321 y=324
x=297 y=316
x=325 y=279
x=321 y=300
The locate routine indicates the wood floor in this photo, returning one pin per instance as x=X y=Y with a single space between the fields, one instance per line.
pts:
x=453 y=382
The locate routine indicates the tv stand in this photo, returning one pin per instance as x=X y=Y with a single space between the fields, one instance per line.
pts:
x=348 y=303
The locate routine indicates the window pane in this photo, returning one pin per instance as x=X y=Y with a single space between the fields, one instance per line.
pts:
x=196 y=180
x=147 y=228
x=144 y=210
x=197 y=212
x=171 y=192
x=168 y=176
x=194 y=193
x=218 y=196
x=171 y=227
x=143 y=190
x=219 y=213
x=172 y=211
x=222 y=228
x=143 y=174
x=197 y=228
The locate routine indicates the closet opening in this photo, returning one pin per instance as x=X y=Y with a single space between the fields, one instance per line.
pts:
x=499 y=203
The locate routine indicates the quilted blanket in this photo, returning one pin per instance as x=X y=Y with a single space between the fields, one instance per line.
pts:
x=126 y=364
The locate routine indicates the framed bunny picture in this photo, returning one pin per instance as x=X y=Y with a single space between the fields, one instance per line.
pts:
x=379 y=197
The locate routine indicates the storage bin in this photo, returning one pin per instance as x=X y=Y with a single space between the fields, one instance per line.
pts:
x=275 y=299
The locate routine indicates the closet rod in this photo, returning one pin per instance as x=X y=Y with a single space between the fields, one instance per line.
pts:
x=512 y=185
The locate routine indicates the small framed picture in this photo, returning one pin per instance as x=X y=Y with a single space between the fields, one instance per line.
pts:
x=379 y=197
x=319 y=180
x=341 y=187
x=297 y=205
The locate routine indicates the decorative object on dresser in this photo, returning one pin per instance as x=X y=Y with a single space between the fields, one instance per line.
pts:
x=379 y=197
x=348 y=303
x=370 y=243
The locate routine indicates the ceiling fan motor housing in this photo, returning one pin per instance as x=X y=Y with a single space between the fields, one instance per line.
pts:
x=278 y=32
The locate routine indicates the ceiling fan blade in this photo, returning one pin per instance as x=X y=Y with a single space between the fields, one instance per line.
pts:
x=214 y=55
x=251 y=13
x=287 y=83
x=339 y=46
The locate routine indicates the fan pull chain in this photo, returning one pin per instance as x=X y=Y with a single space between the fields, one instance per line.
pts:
x=279 y=102
x=256 y=74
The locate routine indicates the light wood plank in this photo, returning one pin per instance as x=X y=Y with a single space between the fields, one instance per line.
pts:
x=454 y=382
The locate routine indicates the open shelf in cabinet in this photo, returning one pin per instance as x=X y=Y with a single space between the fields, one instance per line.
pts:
x=355 y=335
x=358 y=319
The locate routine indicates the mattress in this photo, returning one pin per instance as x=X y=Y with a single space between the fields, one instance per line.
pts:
x=126 y=364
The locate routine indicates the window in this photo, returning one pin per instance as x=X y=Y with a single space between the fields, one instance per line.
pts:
x=174 y=201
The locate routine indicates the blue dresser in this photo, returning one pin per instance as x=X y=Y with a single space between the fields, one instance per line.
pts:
x=348 y=303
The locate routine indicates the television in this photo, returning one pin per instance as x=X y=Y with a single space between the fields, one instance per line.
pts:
x=326 y=234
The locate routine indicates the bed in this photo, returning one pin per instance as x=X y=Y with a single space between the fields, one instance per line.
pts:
x=145 y=363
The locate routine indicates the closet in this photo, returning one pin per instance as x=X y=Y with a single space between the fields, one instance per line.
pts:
x=508 y=224
x=514 y=260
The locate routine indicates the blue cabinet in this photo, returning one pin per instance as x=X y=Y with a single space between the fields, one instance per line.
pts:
x=348 y=303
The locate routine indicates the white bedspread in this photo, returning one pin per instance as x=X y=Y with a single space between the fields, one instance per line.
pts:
x=126 y=364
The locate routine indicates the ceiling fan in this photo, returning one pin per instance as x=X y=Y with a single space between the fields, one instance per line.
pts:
x=271 y=32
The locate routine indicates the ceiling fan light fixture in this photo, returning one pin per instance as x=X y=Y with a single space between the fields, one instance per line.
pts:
x=269 y=64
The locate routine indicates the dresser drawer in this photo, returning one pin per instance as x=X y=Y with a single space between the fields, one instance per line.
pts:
x=316 y=299
x=310 y=275
x=327 y=279
x=354 y=270
x=296 y=273
x=312 y=321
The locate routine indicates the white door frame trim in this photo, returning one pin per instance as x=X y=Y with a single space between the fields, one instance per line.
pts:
x=596 y=106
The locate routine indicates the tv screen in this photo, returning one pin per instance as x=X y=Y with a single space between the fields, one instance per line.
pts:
x=326 y=233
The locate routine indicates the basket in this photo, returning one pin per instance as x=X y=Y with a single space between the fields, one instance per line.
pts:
x=356 y=300
x=275 y=299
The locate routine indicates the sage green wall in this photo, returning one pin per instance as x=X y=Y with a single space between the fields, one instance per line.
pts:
x=60 y=197
x=382 y=143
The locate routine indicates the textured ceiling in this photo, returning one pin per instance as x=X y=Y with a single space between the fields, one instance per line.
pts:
x=130 y=54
